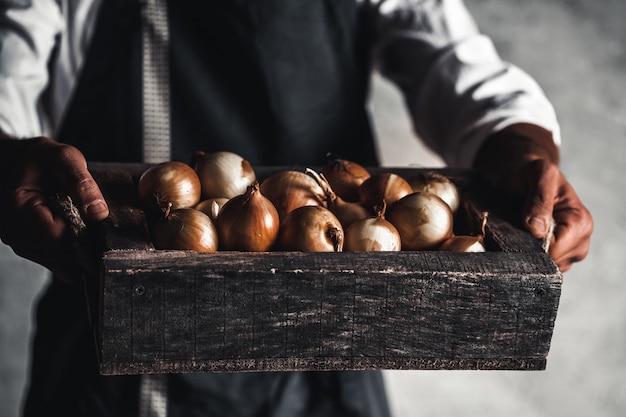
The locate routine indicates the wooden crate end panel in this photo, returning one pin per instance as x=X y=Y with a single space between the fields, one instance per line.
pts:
x=126 y=227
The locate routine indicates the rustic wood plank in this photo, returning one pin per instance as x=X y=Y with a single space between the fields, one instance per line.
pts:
x=115 y=321
x=210 y=316
x=478 y=309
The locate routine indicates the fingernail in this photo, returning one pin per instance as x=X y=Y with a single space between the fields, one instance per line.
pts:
x=538 y=225
x=97 y=208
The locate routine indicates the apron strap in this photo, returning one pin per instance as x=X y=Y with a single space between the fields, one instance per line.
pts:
x=153 y=396
x=156 y=148
x=156 y=82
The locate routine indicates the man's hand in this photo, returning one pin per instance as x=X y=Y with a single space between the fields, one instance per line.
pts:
x=524 y=160
x=32 y=173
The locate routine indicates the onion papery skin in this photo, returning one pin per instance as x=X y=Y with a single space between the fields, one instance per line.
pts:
x=440 y=185
x=248 y=222
x=311 y=229
x=423 y=220
x=463 y=244
x=185 y=229
x=347 y=212
x=172 y=182
x=223 y=174
x=383 y=188
x=345 y=177
x=211 y=206
x=373 y=234
x=289 y=190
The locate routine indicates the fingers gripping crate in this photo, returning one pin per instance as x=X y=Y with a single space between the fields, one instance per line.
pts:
x=160 y=311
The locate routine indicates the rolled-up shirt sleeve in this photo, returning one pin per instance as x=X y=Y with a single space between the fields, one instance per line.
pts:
x=457 y=89
x=28 y=35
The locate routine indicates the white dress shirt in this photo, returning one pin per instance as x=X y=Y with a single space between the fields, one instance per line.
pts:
x=456 y=87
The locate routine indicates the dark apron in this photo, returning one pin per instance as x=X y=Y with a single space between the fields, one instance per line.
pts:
x=281 y=82
x=277 y=81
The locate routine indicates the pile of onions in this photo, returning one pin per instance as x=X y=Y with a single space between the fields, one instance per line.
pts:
x=311 y=229
x=171 y=185
x=383 y=188
x=185 y=229
x=372 y=234
x=211 y=206
x=347 y=212
x=342 y=207
x=345 y=177
x=289 y=189
x=464 y=243
x=223 y=174
x=438 y=184
x=423 y=220
x=248 y=222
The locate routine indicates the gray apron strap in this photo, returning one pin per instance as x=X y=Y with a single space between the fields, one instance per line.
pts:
x=156 y=148
x=153 y=396
x=156 y=85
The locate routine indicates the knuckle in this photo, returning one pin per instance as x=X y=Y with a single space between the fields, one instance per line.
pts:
x=85 y=184
x=543 y=203
x=583 y=222
x=540 y=207
x=588 y=223
x=64 y=152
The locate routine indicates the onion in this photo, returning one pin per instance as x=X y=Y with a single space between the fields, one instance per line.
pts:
x=467 y=243
x=383 y=188
x=346 y=212
x=169 y=184
x=423 y=220
x=463 y=244
x=185 y=229
x=288 y=190
x=345 y=177
x=248 y=222
x=372 y=234
x=311 y=229
x=223 y=174
x=211 y=206
x=440 y=185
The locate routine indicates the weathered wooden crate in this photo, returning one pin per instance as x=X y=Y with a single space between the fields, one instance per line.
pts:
x=178 y=311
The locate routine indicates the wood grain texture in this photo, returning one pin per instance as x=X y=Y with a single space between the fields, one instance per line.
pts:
x=179 y=311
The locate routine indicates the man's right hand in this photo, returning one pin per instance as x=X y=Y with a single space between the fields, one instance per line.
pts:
x=32 y=173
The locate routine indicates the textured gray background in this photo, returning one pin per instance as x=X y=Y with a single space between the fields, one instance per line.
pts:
x=576 y=50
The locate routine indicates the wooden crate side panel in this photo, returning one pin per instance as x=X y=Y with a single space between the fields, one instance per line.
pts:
x=179 y=314
x=210 y=317
x=265 y=311
x=149 y=321
x=270 y=315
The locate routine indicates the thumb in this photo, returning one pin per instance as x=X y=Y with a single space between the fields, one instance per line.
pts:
x=543 y=178
x=79 y=184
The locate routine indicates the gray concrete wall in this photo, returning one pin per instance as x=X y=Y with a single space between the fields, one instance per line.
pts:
x=576 y=50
